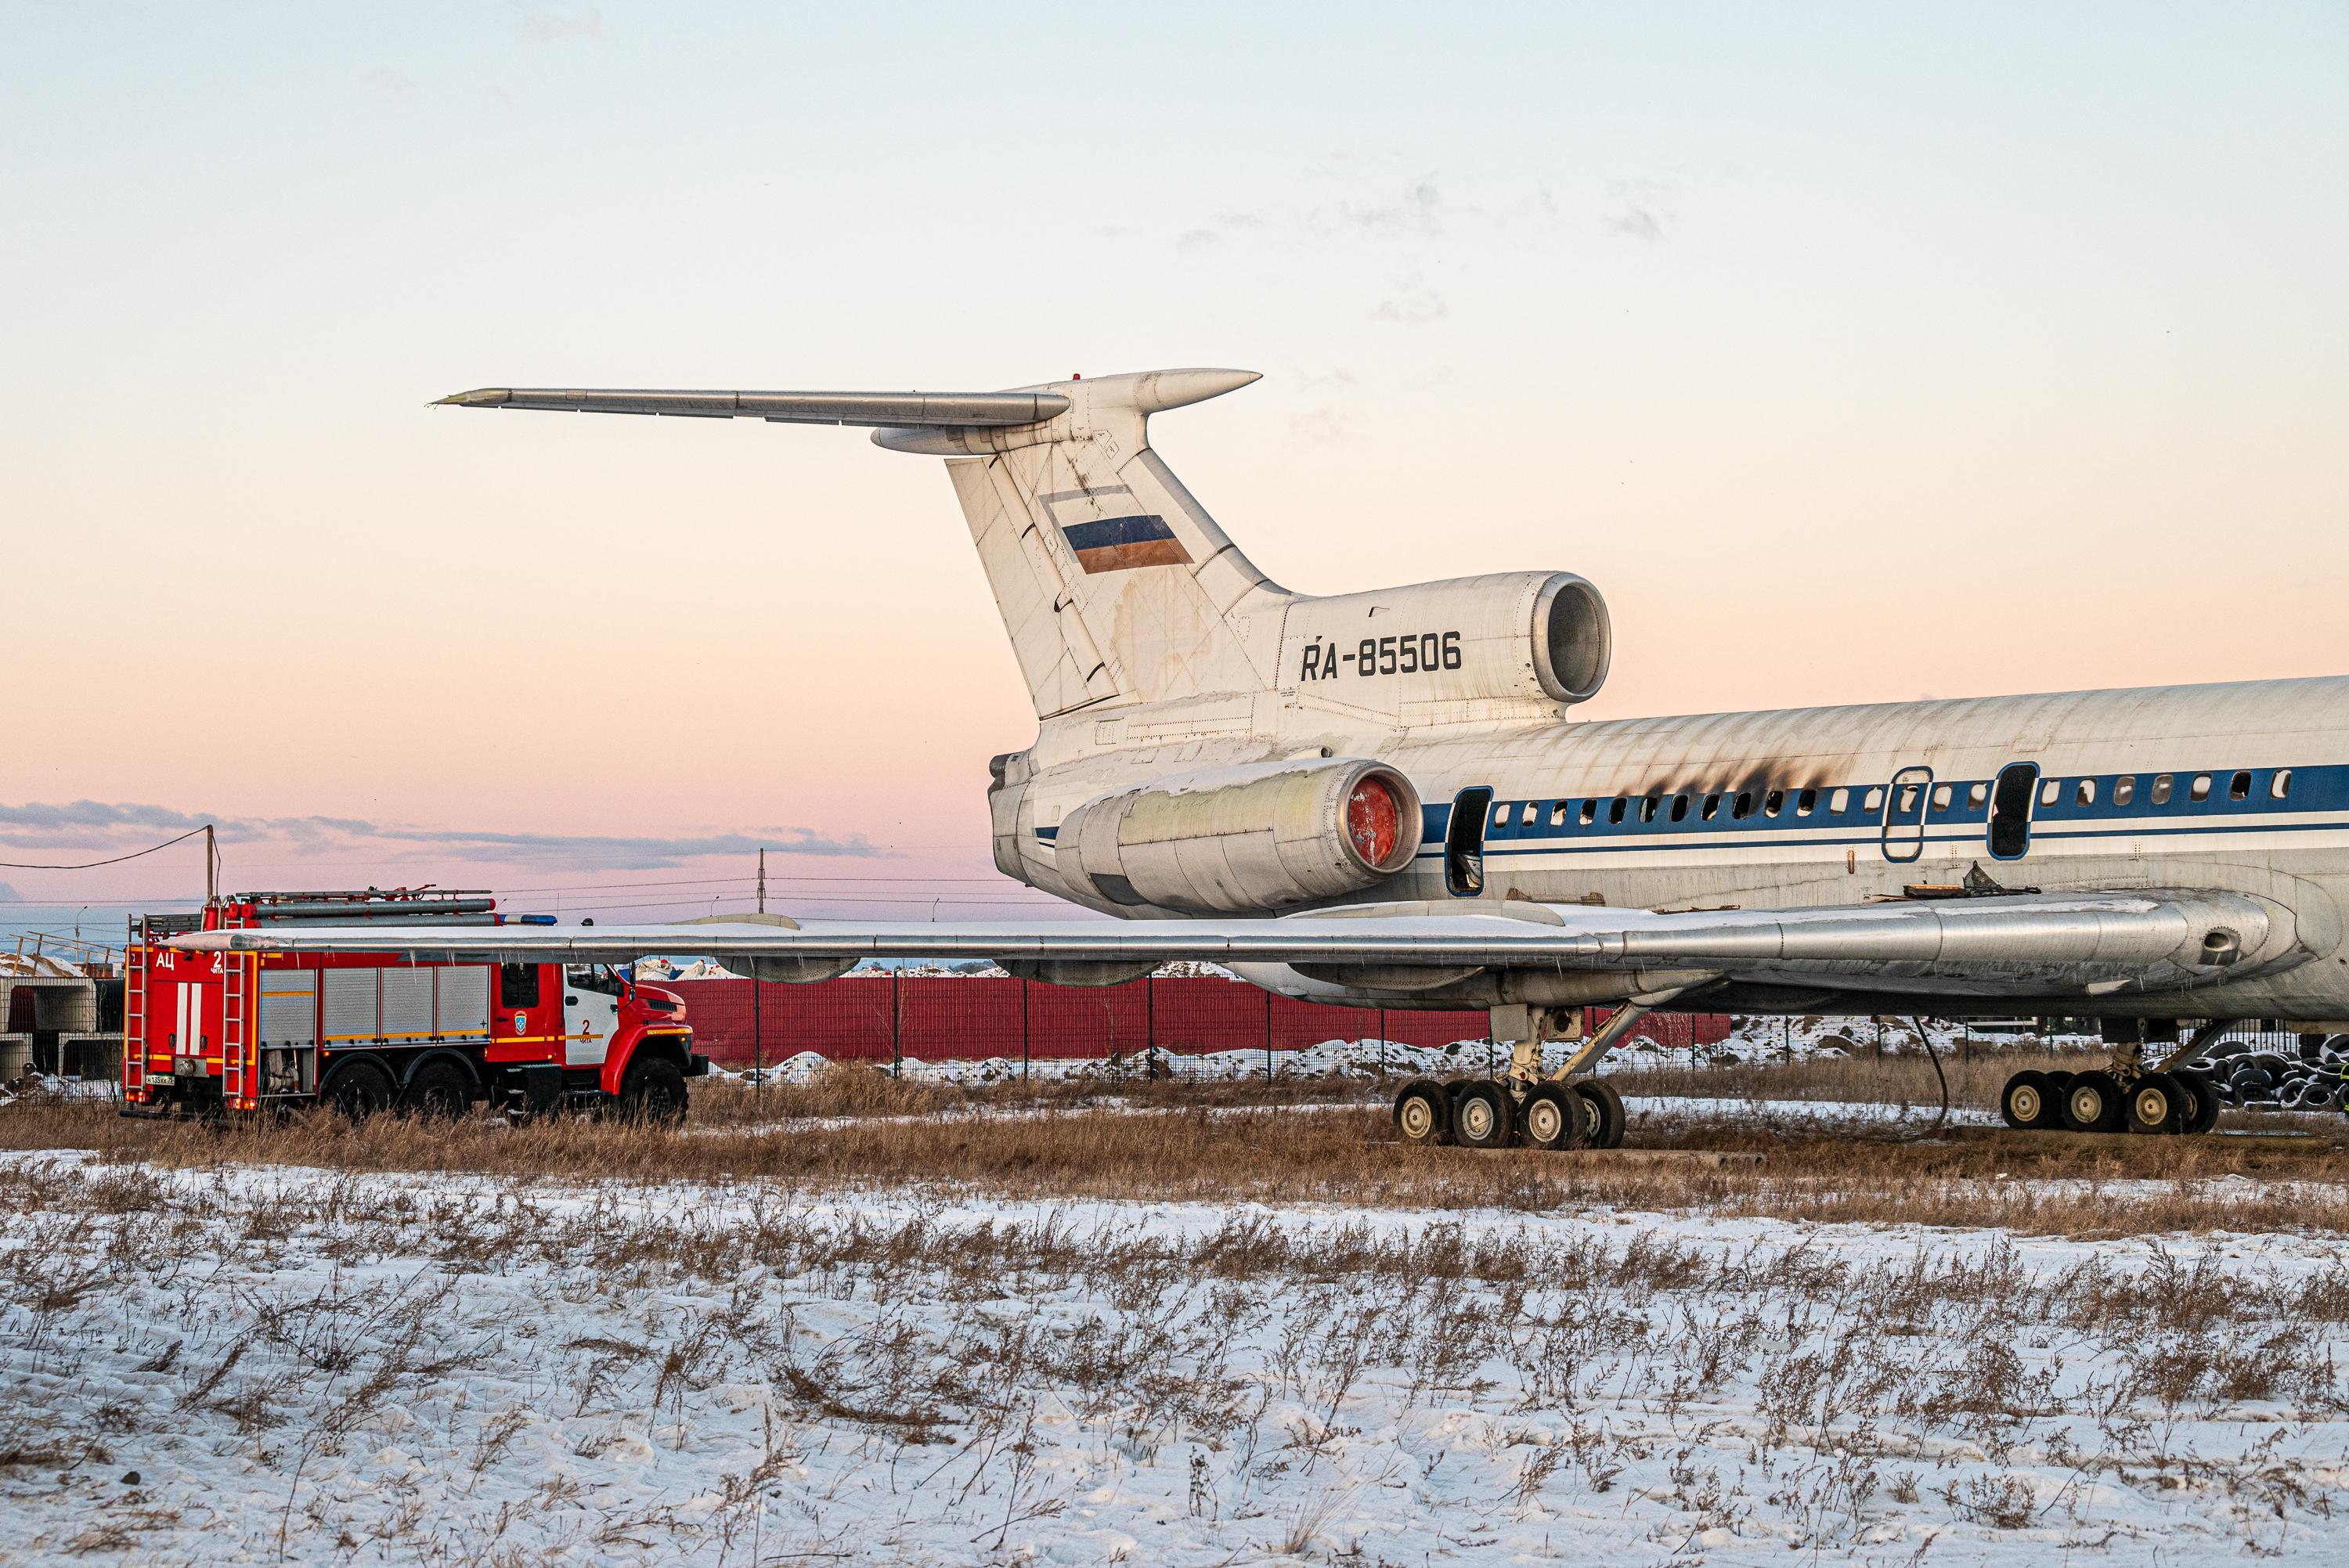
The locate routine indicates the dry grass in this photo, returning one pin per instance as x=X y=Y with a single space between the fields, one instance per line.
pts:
x=969 y=1380
x=876 y=1134
x=1897 y=1077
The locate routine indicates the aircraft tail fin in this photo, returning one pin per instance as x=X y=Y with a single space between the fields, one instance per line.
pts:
x=1114 y=584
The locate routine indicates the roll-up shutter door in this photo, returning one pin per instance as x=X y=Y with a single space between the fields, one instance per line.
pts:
x=464 y=1001
x=349 y=1004
x=407 y=1005
x=289 y=1006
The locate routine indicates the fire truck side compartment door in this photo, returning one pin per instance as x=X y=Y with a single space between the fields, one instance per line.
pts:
x=590 y=1019
x=289 y=1007
x=350 y=1006
x=464 y=1001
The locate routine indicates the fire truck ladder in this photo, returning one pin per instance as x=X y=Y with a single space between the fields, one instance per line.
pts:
x=233 y=1085
x=134 y=1012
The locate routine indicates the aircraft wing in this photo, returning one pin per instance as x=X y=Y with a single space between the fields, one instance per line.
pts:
x=2096 y=942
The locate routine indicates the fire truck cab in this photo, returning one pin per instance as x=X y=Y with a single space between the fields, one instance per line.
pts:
x=208 y=1033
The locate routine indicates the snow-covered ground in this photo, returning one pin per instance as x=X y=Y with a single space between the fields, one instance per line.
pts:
x=290 y=1365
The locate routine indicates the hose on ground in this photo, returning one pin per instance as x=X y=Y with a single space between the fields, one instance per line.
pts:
x=1940 y=1078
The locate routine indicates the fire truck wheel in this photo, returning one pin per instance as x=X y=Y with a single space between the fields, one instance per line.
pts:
x=439 y=1091
x=358 y=1089
x=653 y=1091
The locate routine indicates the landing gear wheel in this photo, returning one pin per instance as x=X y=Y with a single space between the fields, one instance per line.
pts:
x=1606 y=1111
x=1422 y=1112
x=1482 y=1115
x=1552 y=1118
x=2026 y=1105
x=653 y=1091
x=2155 y=1104
x=438 y=1092
x=357 y=1090
x=2092 y=1103
x=2202 y=1097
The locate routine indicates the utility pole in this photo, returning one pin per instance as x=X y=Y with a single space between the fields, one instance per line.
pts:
x=762 y=882
x=212 y=866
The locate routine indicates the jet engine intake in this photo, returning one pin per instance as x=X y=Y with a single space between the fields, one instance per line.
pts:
x=1242 y=840
x=1535 y=638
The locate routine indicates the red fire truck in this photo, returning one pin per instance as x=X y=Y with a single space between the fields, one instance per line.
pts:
x=207 y=1033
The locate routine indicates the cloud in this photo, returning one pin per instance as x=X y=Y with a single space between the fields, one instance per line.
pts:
x=1196 y=240
x=1415 y=307
x=391 y=84
x=9 y=894
x=625 y=851
x=104 y=826
x=1419 y=210
x=1637 y=222
x=552 y=25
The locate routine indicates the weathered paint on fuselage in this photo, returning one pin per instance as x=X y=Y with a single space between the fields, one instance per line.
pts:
x=2292 y=847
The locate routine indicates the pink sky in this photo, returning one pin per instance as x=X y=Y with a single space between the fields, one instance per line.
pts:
x=1853 y=361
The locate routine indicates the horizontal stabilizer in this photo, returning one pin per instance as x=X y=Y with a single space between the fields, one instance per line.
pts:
x=893 y=409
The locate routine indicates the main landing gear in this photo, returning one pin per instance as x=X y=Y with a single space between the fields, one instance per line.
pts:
x=2126 y=1095
x=1525 y=1107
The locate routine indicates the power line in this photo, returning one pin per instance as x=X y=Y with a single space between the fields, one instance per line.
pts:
x=92 y=865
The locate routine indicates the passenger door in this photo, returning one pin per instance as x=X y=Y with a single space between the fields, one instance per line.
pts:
x=1463 y=842
x=1905 y=800
x=590 y=1018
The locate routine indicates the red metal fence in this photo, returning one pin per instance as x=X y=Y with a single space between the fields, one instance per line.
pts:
x=878 y=1016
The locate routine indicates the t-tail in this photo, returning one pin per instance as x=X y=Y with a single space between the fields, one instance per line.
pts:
x=1116 y=585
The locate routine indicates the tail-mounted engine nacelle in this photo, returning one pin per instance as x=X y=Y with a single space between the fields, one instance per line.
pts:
x=1418 y=652
x=1243 y=839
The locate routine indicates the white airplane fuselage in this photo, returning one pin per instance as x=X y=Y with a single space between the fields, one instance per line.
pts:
x=2239 y=787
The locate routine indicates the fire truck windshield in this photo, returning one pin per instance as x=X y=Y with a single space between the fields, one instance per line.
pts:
x=599 y=978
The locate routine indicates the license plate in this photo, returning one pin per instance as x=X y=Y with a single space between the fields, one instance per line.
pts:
x=164 y=1080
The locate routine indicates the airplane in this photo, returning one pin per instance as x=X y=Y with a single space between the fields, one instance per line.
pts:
x=1384 y=799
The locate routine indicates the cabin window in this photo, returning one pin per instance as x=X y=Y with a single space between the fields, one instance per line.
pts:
x=1807 y=802
x=517 y=984
x=2085 y=795
x=2124 y=788
x=1679 y=807
x=1558 y=815
x=1909 y=793
x=2049 y=790
x=2279 y=785
x=1526 y=817
x=2200 y=788
x=1615 y=808
x=2010 y=810
x=1774 y=802
x=2161 y=789
x=1977 y=797
x=1941 y=797
x=1743 y=805
x=1874 y=801
x=1712 y=807
x=1648 y=808
x=1839 y=802
x=2239 y=787
x=1589 y=813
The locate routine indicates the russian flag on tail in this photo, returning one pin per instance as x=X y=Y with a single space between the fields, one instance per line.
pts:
x=1120 y=543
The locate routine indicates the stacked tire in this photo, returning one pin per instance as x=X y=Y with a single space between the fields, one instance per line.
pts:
x=2313 y=1076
